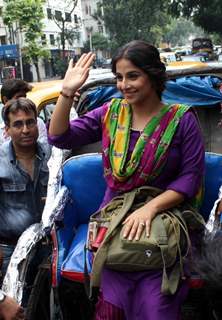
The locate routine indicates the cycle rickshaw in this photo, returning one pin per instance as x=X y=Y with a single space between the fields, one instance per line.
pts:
x=55 y=289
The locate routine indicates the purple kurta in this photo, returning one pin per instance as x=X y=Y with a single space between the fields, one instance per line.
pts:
x=138 y=293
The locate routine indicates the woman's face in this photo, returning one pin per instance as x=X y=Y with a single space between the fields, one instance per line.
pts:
x=133 y=82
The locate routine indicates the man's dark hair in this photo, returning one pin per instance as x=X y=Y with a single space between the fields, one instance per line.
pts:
x=146 y=57
x=14 y=105
x=12 y=86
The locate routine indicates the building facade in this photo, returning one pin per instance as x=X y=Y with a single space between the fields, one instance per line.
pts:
x=62 y=33
x=92 y=25
x=66 y=28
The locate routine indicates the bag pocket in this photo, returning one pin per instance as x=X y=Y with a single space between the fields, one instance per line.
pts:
x=152 y=253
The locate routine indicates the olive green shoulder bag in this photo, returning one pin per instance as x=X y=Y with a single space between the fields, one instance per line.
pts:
x=167 y=246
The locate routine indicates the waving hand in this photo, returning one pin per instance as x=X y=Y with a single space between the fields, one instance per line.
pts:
x=76 y=75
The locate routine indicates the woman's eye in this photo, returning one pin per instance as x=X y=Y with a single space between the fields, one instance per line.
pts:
x=133 y=76
x=119 y=78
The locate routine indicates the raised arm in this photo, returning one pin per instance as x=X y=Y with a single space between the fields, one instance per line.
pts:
x=74 y=78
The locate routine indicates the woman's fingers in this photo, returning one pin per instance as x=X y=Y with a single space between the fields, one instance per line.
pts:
x=127 y=228
x=78 y=63
x=140 y=229
x=133 y=229
x=90 y=60
x=148 y=227
x=137 y=222
x=85 y=60
x=70 y=64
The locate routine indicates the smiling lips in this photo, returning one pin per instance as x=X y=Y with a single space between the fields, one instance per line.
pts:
x=128 y=93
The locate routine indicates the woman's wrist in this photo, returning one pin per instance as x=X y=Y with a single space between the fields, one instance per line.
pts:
x=68 y=92
x=67 y=95
x=152 y=206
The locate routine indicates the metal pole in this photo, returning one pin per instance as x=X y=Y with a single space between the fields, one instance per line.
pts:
x=20 y=57
x=90 y=41
x=20 y=62
x=19 y=48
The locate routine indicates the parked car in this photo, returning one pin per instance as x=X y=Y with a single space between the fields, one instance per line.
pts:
x=106 y=64
x=192 y=57
x=168 y=57
x=220 y=57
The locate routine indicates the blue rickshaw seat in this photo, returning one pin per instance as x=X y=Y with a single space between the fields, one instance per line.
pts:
x=83 y=175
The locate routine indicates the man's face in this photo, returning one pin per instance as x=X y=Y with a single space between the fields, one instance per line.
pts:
x=22 y=129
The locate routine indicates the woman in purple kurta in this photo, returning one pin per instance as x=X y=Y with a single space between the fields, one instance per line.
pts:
x=137 y=295
x=183 y=170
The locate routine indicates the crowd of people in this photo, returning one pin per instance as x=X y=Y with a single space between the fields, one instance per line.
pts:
x=144 y=142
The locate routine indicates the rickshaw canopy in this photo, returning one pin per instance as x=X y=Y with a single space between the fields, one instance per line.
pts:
x=203 y=90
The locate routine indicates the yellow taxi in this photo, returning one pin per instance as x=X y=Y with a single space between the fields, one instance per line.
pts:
x=185 y=65
x=44 y=95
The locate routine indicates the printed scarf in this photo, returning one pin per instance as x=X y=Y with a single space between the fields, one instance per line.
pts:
x=150 y=152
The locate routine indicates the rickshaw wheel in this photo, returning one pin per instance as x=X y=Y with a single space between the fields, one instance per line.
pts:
x=197 y=306
x=39 y=300
x=74 y=301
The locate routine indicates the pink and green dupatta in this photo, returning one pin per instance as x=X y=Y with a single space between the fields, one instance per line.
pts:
x=150 y=152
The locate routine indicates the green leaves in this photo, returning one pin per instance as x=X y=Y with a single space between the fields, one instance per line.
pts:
x=205 y=13
x=127 y=20
x=27 y=13
x=26 y=16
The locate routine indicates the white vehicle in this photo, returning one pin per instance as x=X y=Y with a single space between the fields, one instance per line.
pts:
x=168 y=57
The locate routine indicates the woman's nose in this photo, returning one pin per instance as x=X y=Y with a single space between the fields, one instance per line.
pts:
x=125 y=83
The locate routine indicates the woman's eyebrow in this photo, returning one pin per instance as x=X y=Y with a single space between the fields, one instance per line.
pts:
x=129 y=72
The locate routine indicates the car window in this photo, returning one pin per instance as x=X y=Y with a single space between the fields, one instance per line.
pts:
x=46 y=112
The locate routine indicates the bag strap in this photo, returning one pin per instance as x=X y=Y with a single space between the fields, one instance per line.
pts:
x=162 y=238
x=86 y=275
x=128 y=200
x=170 y=284
x=101 y=254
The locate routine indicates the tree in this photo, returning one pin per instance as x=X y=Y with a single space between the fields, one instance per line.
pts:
x=25 y=16
x=126 y=20
x=205 y=13
x=180 y=30
x=68 y=31
x=99 y=41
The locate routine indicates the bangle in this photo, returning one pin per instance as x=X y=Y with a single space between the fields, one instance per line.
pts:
x=66 y=96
